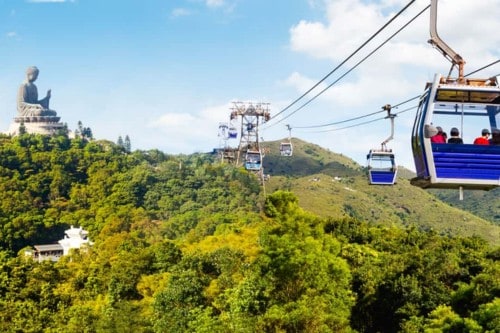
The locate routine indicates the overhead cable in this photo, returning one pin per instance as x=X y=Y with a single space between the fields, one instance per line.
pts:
x=360 y=124
x=342 y=121
x=345 y=60
x=360 y=117
x=373 y=113
x=480 y=69
x=393 y=106
x=352 y=68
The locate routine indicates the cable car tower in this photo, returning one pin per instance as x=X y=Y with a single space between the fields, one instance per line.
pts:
x=461 y=101
x=226 y=153
x=249 y=151
x=382 y=168
x=286 y=148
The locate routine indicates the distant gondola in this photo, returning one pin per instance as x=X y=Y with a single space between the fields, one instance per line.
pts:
x=382 y=168
x=286 y=149
x=233 y=132
x=381 y=163
x=253 y=160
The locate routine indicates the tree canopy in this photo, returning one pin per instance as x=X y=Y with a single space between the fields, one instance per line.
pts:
x=186 y=244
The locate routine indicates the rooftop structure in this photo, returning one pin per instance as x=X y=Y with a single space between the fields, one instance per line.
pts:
x=74 y=239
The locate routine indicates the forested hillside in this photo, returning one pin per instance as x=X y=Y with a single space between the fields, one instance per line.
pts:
x=186 y=244
x=481 y=203
x=337 y=186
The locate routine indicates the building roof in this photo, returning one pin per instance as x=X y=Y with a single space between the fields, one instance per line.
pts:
x=48 y=247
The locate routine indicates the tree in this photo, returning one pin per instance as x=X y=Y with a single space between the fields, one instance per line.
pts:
x=119 y=142
x=127 y=145
x=22 y=129
x=84 y=132
x=307 y=282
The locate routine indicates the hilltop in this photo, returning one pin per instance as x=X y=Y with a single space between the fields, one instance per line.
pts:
x=333 y=185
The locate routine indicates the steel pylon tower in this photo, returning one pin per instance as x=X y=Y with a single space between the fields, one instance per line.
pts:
x=252 y=114
x=225 y=152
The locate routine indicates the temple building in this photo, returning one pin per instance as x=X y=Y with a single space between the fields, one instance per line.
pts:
x=74 y=238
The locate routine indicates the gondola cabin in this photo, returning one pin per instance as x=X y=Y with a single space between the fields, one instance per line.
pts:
x=382 y=168
x=286 y=149
x=253 y=160
x=471 y=105
x=233 y=133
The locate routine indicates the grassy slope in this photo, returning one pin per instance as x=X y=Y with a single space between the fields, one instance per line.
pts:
x=311 y=174
x=485 y=204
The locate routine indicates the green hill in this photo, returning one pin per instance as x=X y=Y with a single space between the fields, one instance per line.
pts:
x=307 y=159
x=485 y=204
x=329 y=184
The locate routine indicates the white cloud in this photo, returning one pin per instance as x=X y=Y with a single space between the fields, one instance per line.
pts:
x=302 y=83
x=349 y=23
x=404 y=63
x=393 y=74
x=182 y=131
x=177 y=12
x=11 y=34
x=215 y=3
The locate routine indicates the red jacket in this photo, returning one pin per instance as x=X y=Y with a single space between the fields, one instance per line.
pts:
x=438 y=138
x=481 y=141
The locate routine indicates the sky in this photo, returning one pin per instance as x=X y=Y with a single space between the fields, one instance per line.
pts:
x=166 y=72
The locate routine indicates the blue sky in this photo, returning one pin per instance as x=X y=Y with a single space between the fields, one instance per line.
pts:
x=166 y=72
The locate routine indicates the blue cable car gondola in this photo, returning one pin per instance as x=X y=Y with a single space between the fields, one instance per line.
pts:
x=382 y=168
x=464 y=101
x=443 y=165
x=233 y=132
x=253 y=160
x=381 y=163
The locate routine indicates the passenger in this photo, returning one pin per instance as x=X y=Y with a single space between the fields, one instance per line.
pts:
x=495 y=137
x=483 y=139
x=440 y=137
x=455 y=136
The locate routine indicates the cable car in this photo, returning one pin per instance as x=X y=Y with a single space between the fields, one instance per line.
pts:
x=445 y=165
x=286 y=149
x=382 y=168
x=253 y=160
x=381 y=163
x=465 y=101
x=233 y=132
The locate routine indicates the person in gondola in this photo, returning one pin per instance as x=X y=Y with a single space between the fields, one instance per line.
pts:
x=440 y=137
x=495 y=137
x=455 y=136
x=483 y=139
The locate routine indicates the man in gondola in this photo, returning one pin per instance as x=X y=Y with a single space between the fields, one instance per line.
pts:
x=483 y=139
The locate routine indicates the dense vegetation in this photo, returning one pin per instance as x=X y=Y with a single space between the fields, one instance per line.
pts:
x=184 y=244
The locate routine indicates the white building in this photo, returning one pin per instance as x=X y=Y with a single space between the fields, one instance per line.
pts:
x=74 y=238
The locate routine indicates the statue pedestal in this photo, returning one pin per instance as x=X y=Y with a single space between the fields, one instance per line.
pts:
x=40 y=125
